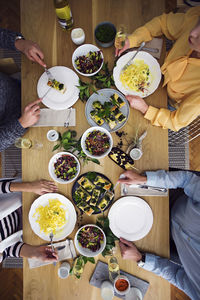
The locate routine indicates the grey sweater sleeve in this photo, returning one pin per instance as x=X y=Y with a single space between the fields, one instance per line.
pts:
x=7 y=39
x=9 y=133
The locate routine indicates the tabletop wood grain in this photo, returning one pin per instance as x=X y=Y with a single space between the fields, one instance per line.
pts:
x=38 y=23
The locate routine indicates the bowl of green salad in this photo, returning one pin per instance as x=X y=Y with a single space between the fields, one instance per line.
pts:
x=105 y=34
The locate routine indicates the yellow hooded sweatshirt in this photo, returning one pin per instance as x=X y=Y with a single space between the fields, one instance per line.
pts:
x=181 y=72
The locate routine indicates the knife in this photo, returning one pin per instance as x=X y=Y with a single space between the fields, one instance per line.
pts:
x=152 y=188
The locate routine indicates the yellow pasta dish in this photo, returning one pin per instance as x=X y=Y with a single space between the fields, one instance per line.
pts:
x=136 y=76
x=51 y=217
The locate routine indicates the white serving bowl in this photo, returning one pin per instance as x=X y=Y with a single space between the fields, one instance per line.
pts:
x=83 y=50
x=128 y=288
x=52 y=169
x=84 y=136
x=85 y=251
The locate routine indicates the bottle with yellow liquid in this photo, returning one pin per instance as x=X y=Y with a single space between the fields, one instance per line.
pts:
x=64 y=14
x=113 y=268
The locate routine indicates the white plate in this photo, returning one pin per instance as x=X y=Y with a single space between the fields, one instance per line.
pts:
x=51 y=167
x=154 y=68
x=70 y=216
x=83 y=50
x=103 y=95
x=54 y=99
x=130 y=218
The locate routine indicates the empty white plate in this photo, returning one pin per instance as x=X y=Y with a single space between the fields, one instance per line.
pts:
x=130 y=218
x=54 y=99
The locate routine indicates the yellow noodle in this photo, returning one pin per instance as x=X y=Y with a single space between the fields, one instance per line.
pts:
x=51 y=217
x=136 y=76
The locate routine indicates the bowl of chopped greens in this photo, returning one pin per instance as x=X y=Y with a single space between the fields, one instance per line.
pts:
x=96 y=142
x=87 y=60
x=64 y=167
x=105 y=34
x=90 y=240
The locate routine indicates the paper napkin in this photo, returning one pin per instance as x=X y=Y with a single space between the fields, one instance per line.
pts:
x=50 y=117
x=62 y=254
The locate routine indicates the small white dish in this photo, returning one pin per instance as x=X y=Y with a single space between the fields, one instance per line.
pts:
x=136 y=153
x=83 y=50
x=122 y=293
x=63 y=271
x=78 y=36
x=52 y=135
x=85 y=251
x=84 y=136
x=52 y=169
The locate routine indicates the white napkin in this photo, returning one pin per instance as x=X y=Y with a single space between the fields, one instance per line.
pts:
x=62 y=254
x=50 y=117
x=134 y=190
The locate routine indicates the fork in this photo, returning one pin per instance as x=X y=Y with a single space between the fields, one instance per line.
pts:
x=70 y=249
x=52 y=247
x=49 y=75
x=66 y=123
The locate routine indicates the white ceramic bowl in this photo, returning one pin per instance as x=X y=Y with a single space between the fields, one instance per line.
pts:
x=83 y=50
x=52 y=169
x=128 y=288
x=85 y=251
x=84 y=136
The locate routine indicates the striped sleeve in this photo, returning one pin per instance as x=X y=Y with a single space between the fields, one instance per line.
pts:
x=5 y=186
x=14 y=250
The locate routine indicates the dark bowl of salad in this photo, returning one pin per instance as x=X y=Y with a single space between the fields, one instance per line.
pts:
x=96 y=142
x=90 y=240
x=87 y=60
x=64 y=167
x=105 y=34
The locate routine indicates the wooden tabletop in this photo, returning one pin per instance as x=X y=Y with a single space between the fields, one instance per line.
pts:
x=38 y=23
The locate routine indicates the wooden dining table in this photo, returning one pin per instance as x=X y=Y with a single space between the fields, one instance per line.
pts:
x=39 y=23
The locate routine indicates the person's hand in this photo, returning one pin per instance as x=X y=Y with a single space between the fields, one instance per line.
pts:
x=129 y=251
x=31 y=50
x=132 y=178
x=31 y=114
x=138 y=103
x=119 y=51
x=42 y=187
x=43 y=253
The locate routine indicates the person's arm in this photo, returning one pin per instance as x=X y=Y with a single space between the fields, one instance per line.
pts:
x=9 y=133
x=186 y=113
x=7 y=39
x=39 y=187
x=187 y=180
x=170 y=271
x=170 y=25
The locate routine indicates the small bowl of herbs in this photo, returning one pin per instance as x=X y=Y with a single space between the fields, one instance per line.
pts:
x=105 y=34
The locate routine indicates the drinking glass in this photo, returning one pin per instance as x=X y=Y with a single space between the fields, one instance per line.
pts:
x=113 y=268
x=26 y=143
x=120 y=36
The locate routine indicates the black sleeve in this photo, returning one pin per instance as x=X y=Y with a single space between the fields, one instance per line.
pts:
x=7 y=39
